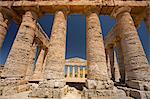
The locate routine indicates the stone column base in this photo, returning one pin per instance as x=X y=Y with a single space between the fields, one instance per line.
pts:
x=49 y=89
x=13 y=86
x=139 y=85
x=103 y=94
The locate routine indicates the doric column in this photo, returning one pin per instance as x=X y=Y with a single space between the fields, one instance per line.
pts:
x=31 y=61
x=136 y=64
x=3 y=28
x=111 y=58
x=19 y=56
x=113 y=65
x=116 y=68
x=96 y=60
x=73 y=71
x=108 y=63
x=78 y=71
x=68 y=70
x=83 y=72
x=54 y=76
x=120 y=61
x=44 y=63
x=55 y=63
x=39 y=65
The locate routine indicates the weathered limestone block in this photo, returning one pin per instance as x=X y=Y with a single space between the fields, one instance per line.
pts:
x=9 y=90
x=47 y=84
x=136 y=64
x=52 y=84
x=13 y=86
x=134 y=93
x=104 y=94
x=121 y=94
x=3 y=28
x=19 y=56
x=94 y=84
x=140 y=94
x=140 y=85
x=47 y=91
x=96 y=59
x=41 y=93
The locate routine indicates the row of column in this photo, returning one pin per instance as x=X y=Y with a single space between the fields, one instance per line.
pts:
x=135 y=60
x=136 y=64
x=132 y=61
x=112 y=64
x=21 y=59
x=19 y=56
x=73 y=71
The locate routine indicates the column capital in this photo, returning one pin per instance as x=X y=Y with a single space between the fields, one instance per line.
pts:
x=29 y=19
x=89 y=10
x=10 y=14
x=31 y=13
x=4 y=12
x=118 y=10
x=65 y=10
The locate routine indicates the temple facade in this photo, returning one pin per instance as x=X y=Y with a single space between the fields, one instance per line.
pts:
x=116 y=66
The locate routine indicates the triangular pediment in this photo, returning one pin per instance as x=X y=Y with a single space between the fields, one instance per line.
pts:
x=76 y=61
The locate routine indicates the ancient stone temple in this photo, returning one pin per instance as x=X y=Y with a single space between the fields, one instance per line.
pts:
x=116 y=66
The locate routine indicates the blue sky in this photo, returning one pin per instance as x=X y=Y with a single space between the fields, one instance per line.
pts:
x=76 y=35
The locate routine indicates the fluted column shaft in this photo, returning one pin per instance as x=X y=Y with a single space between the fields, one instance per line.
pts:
x=111 y=58
x=68 y=70
x=31 y=61
x=55 y=63
x=44 y=63
x=113 y=65
x=39 y=65
x=73 y=71
x=96 y=60
x=116 y=68
x=78 y=71
x=136 y=64
x=3 y=28
x=19 y=56
x=120 y=61
x=83 y=72
x=108 y=63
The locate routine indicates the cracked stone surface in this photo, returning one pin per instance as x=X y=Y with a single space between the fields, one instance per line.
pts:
x=18 y=59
